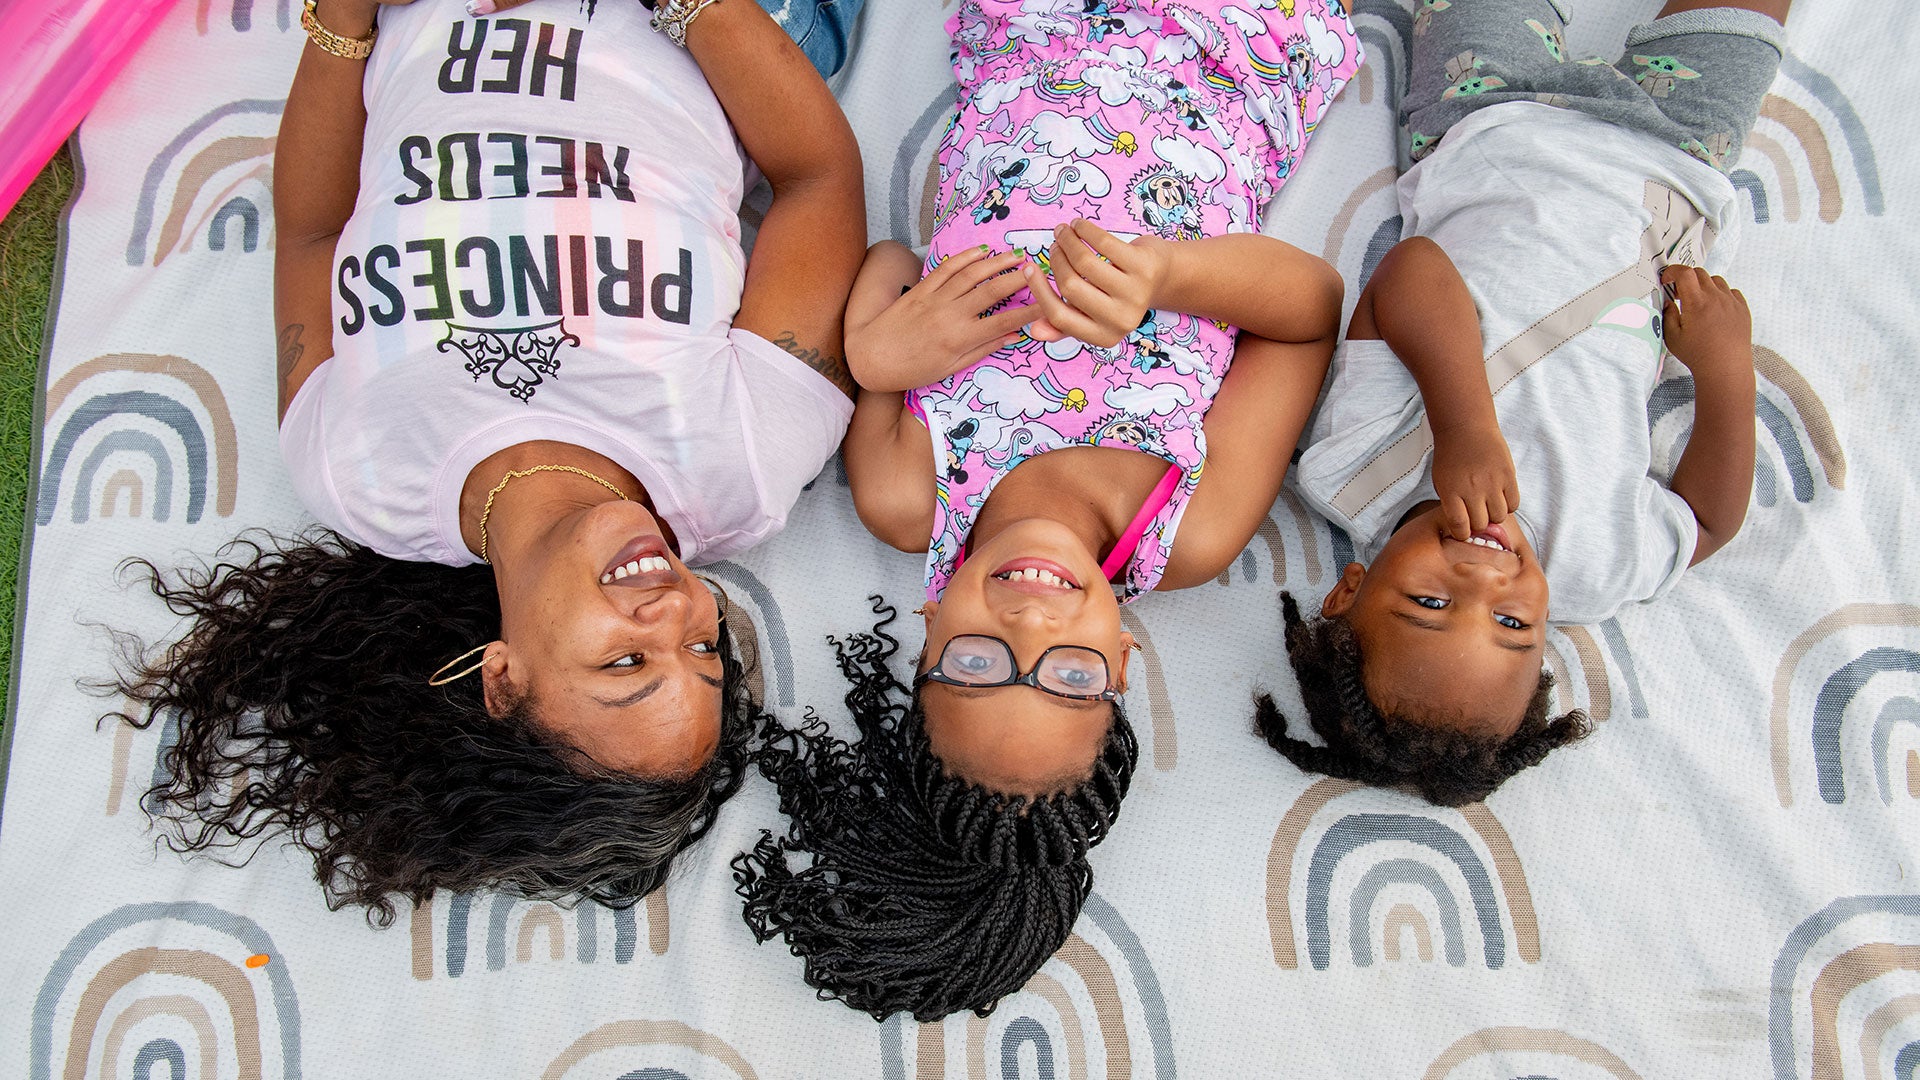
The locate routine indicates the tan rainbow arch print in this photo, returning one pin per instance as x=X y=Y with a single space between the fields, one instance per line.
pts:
x=632 y=1042
x=1095 y=1009
x=1838 y=689
x=1533 y=1049
x=1808 y=128
x=216 y=989
x=1270 y=537
x=1164 y=740
x=1469 y=898
x=1783 y=396
x=485 y=932
x=115 y=400
x=1845 y=983
x=208 y=188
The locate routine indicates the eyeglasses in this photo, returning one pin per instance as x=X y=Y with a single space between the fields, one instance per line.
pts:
x=1075 y=672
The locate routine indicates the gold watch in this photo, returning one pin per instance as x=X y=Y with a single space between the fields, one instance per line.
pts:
x=328 y=41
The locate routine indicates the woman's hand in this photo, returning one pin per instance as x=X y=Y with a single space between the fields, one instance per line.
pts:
x=1474 y=479
x=941 y=325
x=1105 y=285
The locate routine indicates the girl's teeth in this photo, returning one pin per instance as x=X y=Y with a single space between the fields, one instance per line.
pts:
x=1033 y=574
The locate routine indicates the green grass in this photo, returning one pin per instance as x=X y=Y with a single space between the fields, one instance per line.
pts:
x=29 y=241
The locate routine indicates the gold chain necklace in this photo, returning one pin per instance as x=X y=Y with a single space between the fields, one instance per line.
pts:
x=487 y=510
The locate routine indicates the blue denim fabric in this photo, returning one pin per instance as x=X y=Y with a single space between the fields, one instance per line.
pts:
x=822 y=28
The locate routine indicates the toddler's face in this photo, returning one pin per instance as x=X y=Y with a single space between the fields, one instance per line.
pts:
x=1451 y=630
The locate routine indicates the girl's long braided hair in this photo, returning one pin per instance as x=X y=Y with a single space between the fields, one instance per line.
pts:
x=925 y=893
x=1363 y=743
x=300 y=697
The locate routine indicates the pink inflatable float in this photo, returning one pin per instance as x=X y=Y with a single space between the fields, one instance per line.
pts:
x=68 y=50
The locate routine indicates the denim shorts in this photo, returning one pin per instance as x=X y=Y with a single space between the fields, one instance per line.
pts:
x=822 y=28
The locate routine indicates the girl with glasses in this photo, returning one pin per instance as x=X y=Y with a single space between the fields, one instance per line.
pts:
x=1088 y=391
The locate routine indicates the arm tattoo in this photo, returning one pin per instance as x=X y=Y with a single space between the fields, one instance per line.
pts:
x=290 y=352
x=834 y=368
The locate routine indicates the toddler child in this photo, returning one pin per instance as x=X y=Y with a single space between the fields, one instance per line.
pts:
x=1556 y=225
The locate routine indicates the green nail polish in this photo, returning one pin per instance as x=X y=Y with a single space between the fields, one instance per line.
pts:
x=985 y=249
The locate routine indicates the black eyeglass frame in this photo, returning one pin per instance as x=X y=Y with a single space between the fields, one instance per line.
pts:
x=1030 y=678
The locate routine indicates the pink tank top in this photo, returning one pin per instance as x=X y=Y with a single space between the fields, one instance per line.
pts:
x=1146 y=116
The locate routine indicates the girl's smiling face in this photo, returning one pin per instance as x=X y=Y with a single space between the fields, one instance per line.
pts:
x=1034 y=585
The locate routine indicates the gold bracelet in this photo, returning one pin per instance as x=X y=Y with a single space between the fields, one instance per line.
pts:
x=672 y=17
x=328 y=41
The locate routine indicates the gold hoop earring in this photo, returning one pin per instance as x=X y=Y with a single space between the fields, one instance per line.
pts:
x=440 y=678
x=726 y=602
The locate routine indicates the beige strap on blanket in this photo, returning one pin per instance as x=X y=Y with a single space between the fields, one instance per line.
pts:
x=1678 y=233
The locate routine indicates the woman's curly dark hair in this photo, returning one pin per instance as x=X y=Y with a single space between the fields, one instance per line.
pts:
x=301 y=695
x=1449 y=768
x=926 y=893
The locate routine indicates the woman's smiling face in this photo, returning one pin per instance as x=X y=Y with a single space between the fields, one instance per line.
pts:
x=615 y=643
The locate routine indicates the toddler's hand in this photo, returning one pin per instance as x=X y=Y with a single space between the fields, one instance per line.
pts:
x=1474 y=479
x=1105 y=284
x=945 y=315
x=1708 y=326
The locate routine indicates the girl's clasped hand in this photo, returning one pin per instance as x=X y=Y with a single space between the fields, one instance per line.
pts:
x=963 y=311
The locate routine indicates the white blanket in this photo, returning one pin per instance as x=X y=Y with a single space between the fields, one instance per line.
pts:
x=1714 y=884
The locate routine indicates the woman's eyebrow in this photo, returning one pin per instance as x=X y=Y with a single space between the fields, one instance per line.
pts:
x=644 y=692
x=634 y=698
